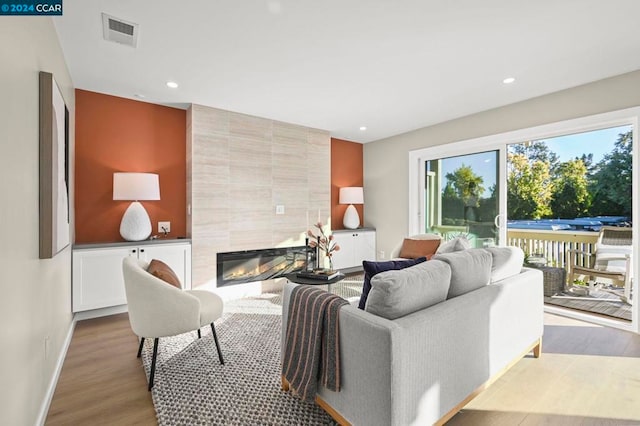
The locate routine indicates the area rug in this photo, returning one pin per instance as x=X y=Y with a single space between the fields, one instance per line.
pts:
x=192 y=388
x=612 y=307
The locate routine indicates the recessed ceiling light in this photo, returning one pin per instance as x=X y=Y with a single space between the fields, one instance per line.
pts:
x=508 y=80
x=363 y=128
x=172 y=84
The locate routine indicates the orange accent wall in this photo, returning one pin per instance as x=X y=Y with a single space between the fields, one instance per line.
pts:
x=346 y=170
x=121 y=135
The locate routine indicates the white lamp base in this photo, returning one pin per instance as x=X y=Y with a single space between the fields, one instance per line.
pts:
x=351 y=218
x=135 y=225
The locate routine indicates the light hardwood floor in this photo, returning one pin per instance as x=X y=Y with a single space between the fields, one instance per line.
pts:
x=102 y=382
x=587 y=375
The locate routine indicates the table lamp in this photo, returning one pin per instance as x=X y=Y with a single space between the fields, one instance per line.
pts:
x=135 y=224
x=351 y=195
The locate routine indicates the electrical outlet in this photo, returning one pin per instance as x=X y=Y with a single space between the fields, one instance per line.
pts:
x=279 y=209
x=164 y=227
x=381 y=254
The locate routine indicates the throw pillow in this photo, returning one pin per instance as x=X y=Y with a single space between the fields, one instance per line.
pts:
x=373 y=268
x=470 y=270
x=457 y=244
x=413 y=249
x=161 y=270
x=506 y=262
x=395 y=294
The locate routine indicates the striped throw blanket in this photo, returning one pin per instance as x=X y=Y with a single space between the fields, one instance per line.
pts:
x=312 y=349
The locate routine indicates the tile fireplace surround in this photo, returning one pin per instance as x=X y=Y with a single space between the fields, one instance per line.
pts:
x=239 y=167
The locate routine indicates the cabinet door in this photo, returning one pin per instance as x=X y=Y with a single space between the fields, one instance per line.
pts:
x=97 y=278
x=344 y=258
x=177 y=256
x=365 y=246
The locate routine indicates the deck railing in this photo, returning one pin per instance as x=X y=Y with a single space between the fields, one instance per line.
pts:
x=553 y=245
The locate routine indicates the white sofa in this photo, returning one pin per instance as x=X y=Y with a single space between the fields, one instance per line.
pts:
x=423 y=367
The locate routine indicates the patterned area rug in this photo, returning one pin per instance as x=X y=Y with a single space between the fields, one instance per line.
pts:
x=192 y=388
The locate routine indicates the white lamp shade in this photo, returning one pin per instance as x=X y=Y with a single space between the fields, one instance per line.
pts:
x=136 y=186
x=351 y=195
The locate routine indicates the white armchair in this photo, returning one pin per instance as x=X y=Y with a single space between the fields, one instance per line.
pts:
x=157 y=309
x=611 y=262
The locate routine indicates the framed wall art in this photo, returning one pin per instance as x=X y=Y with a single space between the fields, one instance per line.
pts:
x=54 y=169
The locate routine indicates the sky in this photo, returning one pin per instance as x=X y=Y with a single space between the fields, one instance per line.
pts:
x=597 y=142
x=483 y=164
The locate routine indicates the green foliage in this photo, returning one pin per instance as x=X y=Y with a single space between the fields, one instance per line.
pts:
x=465 y=182
x=611 y=183
x=529 y=188
x=536 y=151
x=570 y=197
x=539 y=186
x=463 y=187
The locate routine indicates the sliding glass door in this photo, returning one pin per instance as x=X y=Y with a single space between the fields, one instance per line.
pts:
x=562 y=183
x=461 y=197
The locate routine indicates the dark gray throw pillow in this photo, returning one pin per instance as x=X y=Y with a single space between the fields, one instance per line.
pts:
x=371 y=269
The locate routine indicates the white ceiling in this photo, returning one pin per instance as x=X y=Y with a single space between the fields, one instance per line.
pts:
x=392 y=66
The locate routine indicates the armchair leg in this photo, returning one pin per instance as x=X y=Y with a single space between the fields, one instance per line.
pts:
x=215 y=338
x=153 y=362
x=199 y=335
x=140 y=347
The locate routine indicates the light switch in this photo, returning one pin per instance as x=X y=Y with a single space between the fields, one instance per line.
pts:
x=280 y=209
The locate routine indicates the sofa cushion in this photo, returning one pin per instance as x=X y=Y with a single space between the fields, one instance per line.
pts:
x=413 y=249
x=457 y=244
x=506 y=262
x=161 y=270
x=373 y=268
x=470 y=270
x=395 y=294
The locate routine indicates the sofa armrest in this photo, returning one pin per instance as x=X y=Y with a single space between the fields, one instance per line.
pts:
x=365 y=359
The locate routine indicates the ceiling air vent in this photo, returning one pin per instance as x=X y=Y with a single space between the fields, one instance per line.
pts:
x=118 y=30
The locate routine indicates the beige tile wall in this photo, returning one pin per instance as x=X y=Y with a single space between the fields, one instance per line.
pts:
x=239 y=168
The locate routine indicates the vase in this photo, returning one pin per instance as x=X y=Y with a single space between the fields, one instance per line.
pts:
x=328 y=262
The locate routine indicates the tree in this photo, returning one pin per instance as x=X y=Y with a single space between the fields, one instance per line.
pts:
x=463 y=188
x=587 y=159
x=529 y=188
x=611 y=183
x=570 y=197
x=536 y=151
x=465 y=182
x=452 y=206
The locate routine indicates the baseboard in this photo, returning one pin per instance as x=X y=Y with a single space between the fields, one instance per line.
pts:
x=102 y=312
x=48 y=397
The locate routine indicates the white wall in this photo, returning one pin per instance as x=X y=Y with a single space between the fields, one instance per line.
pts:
x=386 y=161
x=35 y=300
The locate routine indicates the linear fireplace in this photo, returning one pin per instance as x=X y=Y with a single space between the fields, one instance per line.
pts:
x=238 y=267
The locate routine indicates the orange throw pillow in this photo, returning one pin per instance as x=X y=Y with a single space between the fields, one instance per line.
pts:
x=413 y=249
x=161 y=270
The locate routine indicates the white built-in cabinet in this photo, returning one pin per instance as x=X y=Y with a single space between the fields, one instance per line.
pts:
x=97 y=278
x=356 y=245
